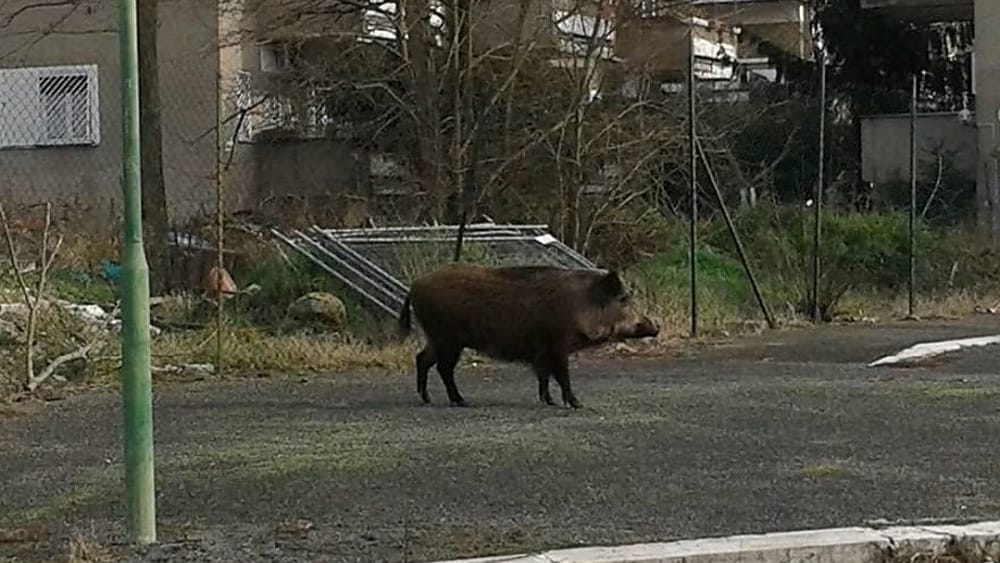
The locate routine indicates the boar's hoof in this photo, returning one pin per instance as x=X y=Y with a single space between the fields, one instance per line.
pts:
x=545 y=397
x=572 y=401
x=459 y=403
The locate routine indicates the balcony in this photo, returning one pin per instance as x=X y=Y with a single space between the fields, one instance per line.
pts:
x=925 y=11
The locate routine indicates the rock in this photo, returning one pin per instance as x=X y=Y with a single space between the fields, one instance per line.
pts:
x=154 y=331
x=322 y=307
x=622 y=348
x=195 y=371
x=9 y=333
x=13 y=309
x=89 y=313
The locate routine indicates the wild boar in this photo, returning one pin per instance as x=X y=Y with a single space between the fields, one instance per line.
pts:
x=535 y=315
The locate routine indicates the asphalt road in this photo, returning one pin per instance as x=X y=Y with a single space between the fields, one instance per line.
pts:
x=785 y=430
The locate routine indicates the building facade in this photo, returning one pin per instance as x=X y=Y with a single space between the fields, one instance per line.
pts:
x=60 y=115
x=985 y=86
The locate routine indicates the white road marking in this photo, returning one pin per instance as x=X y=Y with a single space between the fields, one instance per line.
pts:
x=928 y=349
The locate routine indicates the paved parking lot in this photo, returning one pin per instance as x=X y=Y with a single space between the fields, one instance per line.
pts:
x=784 y=430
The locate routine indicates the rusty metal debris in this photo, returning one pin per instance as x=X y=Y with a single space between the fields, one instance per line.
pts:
x=378 y=263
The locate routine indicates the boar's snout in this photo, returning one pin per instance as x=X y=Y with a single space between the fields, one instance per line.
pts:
x=642 y=327
x=646 y=327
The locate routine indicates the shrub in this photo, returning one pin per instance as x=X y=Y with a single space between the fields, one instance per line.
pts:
x=859 y=253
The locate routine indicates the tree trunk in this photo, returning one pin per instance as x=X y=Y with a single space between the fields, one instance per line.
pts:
x=154 y=194
x=427 y=148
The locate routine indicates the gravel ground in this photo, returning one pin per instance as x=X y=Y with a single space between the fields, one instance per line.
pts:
x=784 y=430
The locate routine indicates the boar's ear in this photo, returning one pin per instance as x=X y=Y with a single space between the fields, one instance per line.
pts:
x=608 y=288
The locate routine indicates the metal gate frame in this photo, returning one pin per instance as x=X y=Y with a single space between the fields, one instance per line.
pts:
x=349 y=256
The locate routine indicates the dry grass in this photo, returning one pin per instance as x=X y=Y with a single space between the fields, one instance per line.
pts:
x=254 y=351
x=59 y=332
x=825 y=471
x=83 y=548
x=11 y=408
x=950 y=305
x=959 y=551
x=250 y=350
x=21 y=535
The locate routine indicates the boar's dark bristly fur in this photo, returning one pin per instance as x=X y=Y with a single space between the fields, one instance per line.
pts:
x=535 y=315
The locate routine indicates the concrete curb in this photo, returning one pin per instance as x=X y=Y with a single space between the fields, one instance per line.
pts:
x=835 y=545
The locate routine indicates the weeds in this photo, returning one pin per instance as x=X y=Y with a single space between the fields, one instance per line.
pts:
x=959 y=550
x=83 y=548
x=864 y=272
x=252 y=350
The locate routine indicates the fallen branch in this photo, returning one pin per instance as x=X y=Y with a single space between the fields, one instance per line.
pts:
x=79 y=354
x=32 y=303
x=55 y=364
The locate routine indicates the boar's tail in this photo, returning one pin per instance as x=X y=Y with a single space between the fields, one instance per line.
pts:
x=404 y=318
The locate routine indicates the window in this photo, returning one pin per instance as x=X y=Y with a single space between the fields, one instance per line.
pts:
x=379 y=21
x=49 y=106
x=583 y=35
x=275 y=58
x=65 y=108
x=650 y=9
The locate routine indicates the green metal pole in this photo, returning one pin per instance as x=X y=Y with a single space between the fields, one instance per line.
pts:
x=912 y=282
x=693 y=217
x=137 y=400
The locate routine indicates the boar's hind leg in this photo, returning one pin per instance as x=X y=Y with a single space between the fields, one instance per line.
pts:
x=425 y=359
x=447 y=359
x=559 y=364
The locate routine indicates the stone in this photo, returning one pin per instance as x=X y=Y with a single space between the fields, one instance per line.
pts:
x=9 y=333
x=322 y=307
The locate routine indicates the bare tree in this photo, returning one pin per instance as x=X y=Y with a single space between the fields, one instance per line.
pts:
x=46 y=256
x=156 y=223
x=81 y=343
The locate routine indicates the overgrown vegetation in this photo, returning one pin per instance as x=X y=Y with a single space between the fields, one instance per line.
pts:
x=864 y=264
x=608 y=174
x=864 y=272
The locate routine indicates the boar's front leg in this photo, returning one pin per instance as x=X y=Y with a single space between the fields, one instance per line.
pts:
x=557 y=362
x=542 y=373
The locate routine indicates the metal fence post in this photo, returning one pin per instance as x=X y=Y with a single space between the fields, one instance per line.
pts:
x=693 y=139
x=913 y=197
x=220 y=225
x=818 y=203
x=735 y=235
x=137 y=401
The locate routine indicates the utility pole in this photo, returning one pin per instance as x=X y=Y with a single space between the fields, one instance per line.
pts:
x=137 y=399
